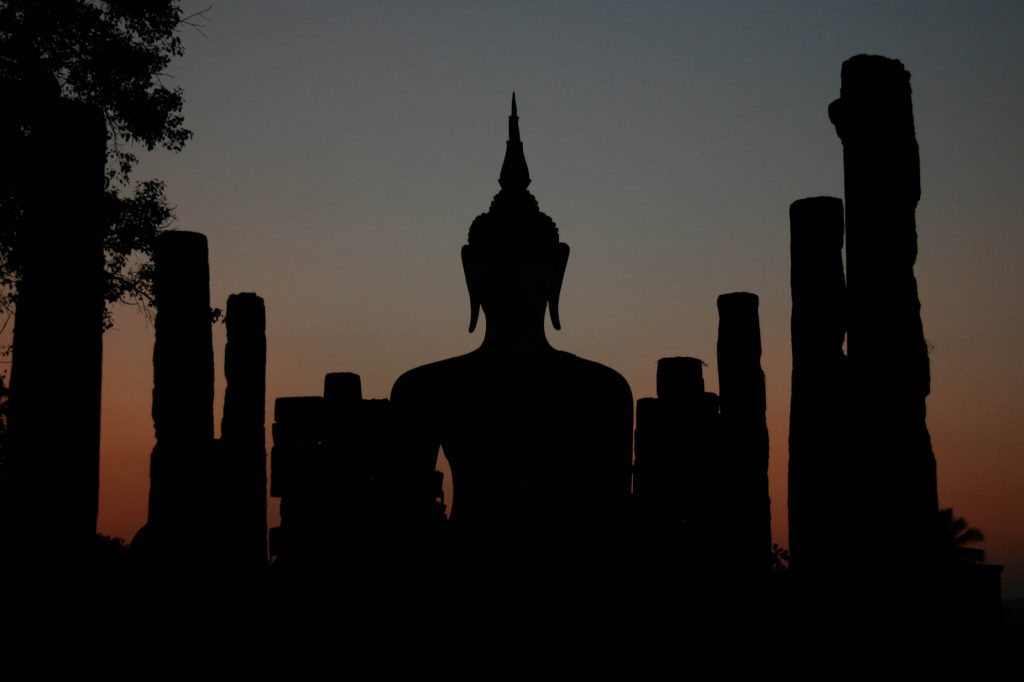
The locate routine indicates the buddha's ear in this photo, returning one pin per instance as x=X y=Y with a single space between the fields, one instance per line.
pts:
x=469 y=266
x=558 y=262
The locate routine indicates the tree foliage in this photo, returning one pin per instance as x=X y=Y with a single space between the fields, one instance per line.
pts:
x=111 y=54
x=955 y=534
x=780 y=557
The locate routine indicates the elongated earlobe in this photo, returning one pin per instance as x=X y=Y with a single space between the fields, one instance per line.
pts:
x=472 y=286
x=561 y=259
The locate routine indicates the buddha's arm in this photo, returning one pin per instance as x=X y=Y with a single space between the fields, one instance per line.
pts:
x=416 y=436
x=613 y=447
x=620 y=438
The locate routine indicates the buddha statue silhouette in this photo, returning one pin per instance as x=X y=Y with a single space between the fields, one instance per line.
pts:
x=539 y=440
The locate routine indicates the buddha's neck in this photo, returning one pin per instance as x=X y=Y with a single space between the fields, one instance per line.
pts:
x=515 y=337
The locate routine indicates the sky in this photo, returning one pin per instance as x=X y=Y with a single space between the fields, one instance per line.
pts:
x=341 y=150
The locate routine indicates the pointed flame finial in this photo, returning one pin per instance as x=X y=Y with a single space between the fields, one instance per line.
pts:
x=514 y=172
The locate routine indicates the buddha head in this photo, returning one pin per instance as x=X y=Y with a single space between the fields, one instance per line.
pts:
x=514 y=263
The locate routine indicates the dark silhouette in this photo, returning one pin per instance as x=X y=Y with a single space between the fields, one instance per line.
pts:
x=823 y=500
x=681 y=379
x=80 y=82
x=111 y=554
x=701 y=472
x=53 y=462
x=539 y=440
x=4 y=404
x=970 y=591
x=349 y=498
x=677 y=450
x=780 y=558
x=114 y=57
x=860 y=452
x=745 y=508
x=954 y=536
x=298 y=433
x=182 y=399
x=243 y=455
x=889 y=374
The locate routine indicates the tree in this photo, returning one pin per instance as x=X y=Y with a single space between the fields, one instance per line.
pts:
x=780 y=557
x=3 y=430
x=110 y=54
x=955 y=535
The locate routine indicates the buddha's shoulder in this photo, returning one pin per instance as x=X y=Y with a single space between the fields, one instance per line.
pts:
x=454 y=375
x=428 y=379
x=594 y=373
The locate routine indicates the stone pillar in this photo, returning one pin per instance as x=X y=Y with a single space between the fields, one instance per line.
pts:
x=675 y=445
x=746 y=509
x=889 y=373
x=343 y=388
x=243 y=445
x=680 y=379
x=822 y=499
x=348 y=496
x=180 y=470
x=345 y=466
x=296 y=478
x=56 y=376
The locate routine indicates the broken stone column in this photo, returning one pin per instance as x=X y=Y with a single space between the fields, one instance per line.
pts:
x=822 y=499
x=680 y=379
x=345 y=464
x=343 y=388
x=297 y=479
x=675 y=445
x=180 y=469
x=56 y=376
x=888 y=356
x=348 y=496
x=390 y=510
x=243 y=449
x=746 y=509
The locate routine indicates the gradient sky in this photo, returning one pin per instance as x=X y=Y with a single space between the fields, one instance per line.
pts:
x=341 y=151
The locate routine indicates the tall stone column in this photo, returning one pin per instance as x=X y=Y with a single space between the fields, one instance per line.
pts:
x=243 y=444
x=56 y=377
x=823 y=501
x=888 y=356
x=180 y=469
x=746 y=508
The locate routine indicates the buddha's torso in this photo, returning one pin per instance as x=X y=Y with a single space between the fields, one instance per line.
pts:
x=538 y=442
